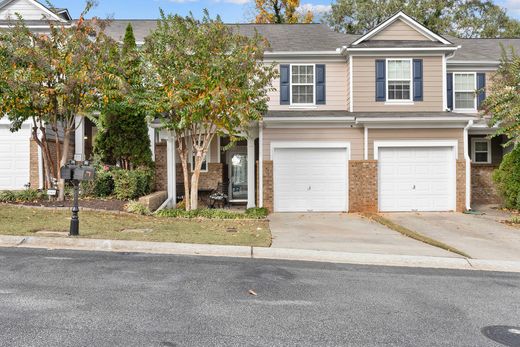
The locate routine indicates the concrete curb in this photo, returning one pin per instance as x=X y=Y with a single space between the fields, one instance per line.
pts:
x=257 y=253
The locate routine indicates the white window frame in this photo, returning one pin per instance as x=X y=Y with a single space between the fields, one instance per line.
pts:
x=192 y=162
x=474 y=140
x=399 y=101
x=474 y=109
x=302 y=84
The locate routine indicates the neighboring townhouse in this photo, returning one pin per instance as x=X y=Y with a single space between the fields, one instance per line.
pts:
x=387 y=121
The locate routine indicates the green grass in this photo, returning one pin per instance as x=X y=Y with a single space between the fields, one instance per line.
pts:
x=100 y=225
x=413 y=234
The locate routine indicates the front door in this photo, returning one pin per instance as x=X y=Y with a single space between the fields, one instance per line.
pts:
x=237 y=163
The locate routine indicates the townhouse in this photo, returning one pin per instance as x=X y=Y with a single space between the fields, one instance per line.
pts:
x=386 y=121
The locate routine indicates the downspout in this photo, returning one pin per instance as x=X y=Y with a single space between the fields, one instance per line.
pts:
x=468 y=166
x=260 y=164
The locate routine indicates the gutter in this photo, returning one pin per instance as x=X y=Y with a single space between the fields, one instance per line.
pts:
x=468 y=166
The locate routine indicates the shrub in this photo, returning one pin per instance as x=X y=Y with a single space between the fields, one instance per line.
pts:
x=131 y=184
x=137 y=208
x=507 y=179
x=212 y=214
x=7 y=196
x=102 y=186
x=29 y=195
x=257 y=212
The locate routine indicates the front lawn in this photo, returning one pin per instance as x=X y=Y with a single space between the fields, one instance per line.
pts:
x=101 y=225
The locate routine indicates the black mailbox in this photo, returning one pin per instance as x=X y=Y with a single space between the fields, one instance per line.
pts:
x=84 y=173
x=67 y=171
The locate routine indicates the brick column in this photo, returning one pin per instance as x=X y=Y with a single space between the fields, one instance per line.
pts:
x=34 y=168
x=268 y=185
x=461 y=186
x=363 y=186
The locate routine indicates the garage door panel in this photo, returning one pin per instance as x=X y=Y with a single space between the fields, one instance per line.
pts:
x=310 y=179
x=416 y=178
x=14 y=158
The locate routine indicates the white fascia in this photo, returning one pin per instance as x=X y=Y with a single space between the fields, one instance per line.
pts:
x=401 y=49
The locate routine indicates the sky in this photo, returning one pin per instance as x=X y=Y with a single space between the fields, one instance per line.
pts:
x=231 y=11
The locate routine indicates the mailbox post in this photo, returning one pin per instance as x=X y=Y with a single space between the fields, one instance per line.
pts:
x=74 y=174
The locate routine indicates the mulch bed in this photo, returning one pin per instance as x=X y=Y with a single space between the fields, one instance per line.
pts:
x=98 y=204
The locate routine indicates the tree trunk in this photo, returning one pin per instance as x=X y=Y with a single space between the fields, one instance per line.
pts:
x=183 y=155
x=199 y=158
x=63 y=161
x=45 y=159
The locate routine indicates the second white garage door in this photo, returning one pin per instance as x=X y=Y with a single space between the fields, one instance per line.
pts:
x=416 y=179
x=310 y=179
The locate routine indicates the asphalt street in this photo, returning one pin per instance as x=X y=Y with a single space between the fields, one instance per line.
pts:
x=70 y=298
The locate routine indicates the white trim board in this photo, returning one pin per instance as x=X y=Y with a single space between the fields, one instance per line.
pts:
x=417 y=143
x=308 y=144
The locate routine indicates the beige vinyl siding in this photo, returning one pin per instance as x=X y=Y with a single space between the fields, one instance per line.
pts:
x=336 y=89
x=25 y=8
x=352 y=135
x=415 y=134
x=399 y=30
x=348 y=86
x=364 y=86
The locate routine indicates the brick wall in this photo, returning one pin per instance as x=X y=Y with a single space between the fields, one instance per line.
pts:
x=207 y=180
x=483 y=190
x=268 y=185
x=363 y=186
x=461 y=186
x=33 y=159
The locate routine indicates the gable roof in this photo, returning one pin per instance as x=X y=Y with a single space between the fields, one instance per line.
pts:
x=489 y=50
x=408 y=20
x=282 y=37
x=45 y=10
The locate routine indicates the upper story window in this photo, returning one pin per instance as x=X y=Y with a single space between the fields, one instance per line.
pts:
x=399 y=79
x=302 y=84
x=464 y=86
x=481 y=150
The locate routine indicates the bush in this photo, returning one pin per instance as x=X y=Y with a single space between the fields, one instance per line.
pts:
x=257 y=212
x=137 y=208
x=131 y=184
x=7 y=196
x=507 y=179
x=213 y=214
x=102 y=186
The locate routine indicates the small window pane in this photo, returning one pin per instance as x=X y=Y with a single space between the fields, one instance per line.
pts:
x=481 y=157
x=398 y=90
x=303 y=94
x=464 y=100
x=465 y=82
x=398 y=69
x=481 y=146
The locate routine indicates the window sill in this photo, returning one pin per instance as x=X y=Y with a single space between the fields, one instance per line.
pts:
x=464 y=111
x=400 y=102
x=303 y=106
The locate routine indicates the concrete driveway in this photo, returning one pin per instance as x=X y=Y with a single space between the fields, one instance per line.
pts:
x=344 y=233
x=479 y=236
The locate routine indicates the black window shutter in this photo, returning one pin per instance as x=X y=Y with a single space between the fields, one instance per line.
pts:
x=417 y=80
x=284 y=84
x=320 y=84
x=380 y=80
x=449 y=90
x=481 y=85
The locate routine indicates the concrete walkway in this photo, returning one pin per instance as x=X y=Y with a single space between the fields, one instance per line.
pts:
x=341 y=232
x=480 y=236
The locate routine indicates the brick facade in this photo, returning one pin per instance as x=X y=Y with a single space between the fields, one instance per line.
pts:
x=363 y=186
x=483 y=189
x=268 y=193
x=33 y=159
x=461 y=186
x=207 y=181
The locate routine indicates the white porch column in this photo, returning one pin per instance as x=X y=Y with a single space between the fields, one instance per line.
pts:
x=251 y=172
x=79 y=139
x=151 y=135
x=171 y=170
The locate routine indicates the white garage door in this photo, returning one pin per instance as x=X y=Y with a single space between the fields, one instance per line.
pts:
x=416 y=179
x=310 y=179
x=14 y=158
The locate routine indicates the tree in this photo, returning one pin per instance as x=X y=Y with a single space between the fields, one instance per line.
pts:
x=122 y=136
x=461 y=18
x=503 y=101
x=204 y=79
x=281 y=11
x=53 y=77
